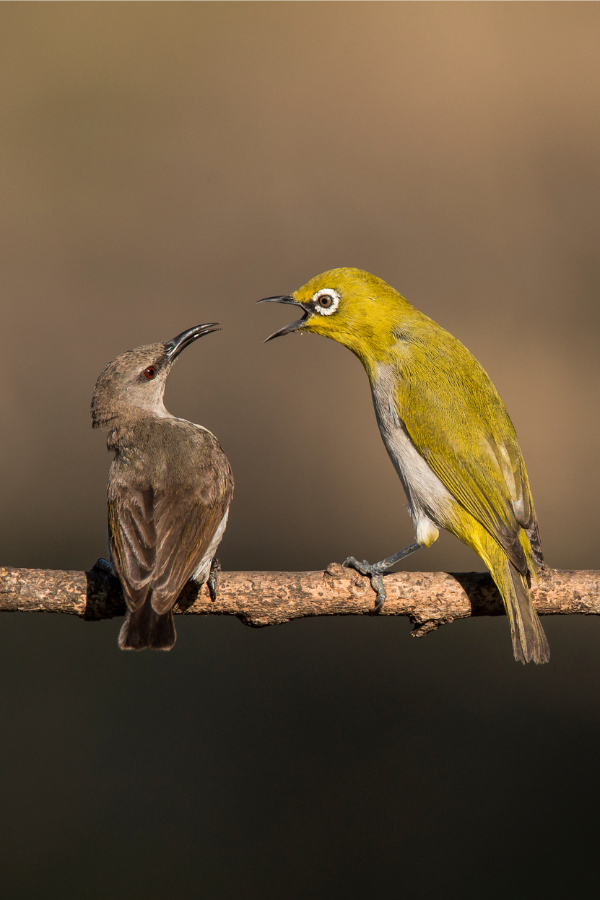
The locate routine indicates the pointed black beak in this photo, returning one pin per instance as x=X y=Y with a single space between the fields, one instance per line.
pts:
x=293 y=326
x=174 y=347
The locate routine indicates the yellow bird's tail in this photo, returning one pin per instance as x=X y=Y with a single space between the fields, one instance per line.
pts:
x=529 y=641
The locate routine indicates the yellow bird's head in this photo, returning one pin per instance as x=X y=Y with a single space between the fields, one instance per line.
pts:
x=352 y=307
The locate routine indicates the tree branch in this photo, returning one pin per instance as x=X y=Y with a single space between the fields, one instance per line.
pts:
x=429 y=599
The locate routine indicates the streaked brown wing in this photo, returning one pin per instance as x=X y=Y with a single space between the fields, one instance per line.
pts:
x=185 y=527
x=158 y=540
x=132 y=538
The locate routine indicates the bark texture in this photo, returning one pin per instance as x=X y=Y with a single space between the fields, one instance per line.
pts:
x=429 y=599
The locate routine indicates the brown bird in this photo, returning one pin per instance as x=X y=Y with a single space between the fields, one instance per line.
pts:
x=169 y=490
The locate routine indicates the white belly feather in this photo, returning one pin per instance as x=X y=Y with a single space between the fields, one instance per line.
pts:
x=203 y=571
x=430 y=504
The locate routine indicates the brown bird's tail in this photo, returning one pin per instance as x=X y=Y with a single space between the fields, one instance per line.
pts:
x=144 y=628
x=528 y=638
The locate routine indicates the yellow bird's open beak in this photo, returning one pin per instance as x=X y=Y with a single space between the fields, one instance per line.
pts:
x=293 y=326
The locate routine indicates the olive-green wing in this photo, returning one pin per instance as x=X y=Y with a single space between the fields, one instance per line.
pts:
x=458 y=423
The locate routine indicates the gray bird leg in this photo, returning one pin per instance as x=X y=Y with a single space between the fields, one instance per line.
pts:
x=377 y=569
x=213 y=578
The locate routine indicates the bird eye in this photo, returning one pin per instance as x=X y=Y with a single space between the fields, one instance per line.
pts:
x=326 y=301
x=149 y=373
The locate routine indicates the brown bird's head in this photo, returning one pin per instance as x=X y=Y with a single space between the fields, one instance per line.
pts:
x=134 y=382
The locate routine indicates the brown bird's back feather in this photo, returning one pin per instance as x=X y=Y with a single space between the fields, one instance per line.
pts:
x=163 y=518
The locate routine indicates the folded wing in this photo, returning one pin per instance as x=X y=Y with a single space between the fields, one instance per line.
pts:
x=460 y=426
x=158 y=540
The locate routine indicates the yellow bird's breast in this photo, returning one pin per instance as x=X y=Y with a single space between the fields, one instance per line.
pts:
x=430 y=503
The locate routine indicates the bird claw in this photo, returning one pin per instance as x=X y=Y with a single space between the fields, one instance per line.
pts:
x=352 y=563
x=375 y=573
x=378 y=586
x=213 y=579
x=104 y=566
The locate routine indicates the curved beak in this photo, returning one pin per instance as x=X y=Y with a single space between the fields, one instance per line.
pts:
x=293 y=326
x=174 y=347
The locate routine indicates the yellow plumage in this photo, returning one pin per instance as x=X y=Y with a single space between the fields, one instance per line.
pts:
x=446 y=430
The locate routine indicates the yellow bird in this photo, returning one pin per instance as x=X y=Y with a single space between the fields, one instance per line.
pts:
x=447 y=432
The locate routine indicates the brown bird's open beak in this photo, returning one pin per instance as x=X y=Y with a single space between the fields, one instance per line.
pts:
x=174 y=347
x=293 y=326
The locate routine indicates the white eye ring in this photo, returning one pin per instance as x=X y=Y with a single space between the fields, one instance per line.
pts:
x=331 y=295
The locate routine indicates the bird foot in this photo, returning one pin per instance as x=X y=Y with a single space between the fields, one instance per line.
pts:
x=104 y=566
x=213 y=579
x=375 y=573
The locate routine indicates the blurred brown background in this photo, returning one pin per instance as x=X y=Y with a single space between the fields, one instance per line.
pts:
x=169 y=164
x=164 y=165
